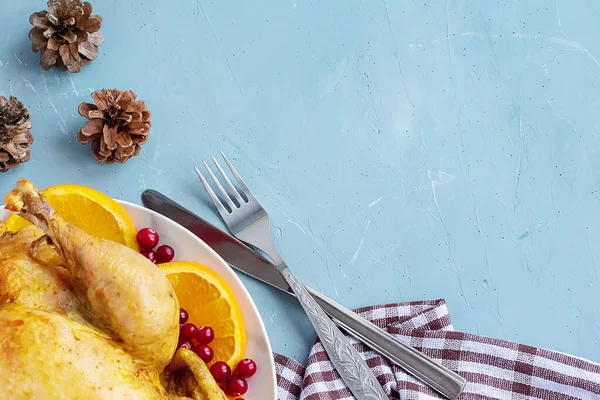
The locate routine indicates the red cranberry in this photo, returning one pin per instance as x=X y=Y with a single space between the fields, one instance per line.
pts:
x=220 y=371
x=184 y=344
x=204 y=352
x=205 y=335
x=236 y=385
x=147 y=238
x=164 y=254
x=188 y=331
x=246 y=368
x=150 y=255
x=183 y=316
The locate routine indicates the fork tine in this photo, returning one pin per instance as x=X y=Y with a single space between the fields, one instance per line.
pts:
x=218 y=184
x=220 y=207
x=232 y=189
x=237 y=176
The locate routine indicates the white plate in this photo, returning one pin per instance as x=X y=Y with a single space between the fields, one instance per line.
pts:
x=263 y=385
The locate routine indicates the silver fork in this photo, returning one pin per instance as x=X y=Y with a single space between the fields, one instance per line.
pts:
x=249 y=222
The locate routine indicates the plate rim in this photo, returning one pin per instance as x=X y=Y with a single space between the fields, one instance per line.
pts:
x=261 y=326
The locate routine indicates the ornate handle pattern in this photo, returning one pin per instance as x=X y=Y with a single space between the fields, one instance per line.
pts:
x=344 y=357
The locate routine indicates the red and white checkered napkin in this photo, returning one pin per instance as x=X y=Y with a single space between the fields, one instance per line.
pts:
x=494 y=369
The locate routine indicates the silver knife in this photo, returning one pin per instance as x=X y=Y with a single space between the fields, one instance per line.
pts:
x=244 y=259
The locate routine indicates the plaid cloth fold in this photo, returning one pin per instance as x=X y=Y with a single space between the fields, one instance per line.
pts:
x=494 y=369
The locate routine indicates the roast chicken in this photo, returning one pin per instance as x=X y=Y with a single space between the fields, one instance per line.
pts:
x=86 y=318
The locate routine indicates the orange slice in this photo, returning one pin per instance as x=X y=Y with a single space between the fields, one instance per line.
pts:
x=92 y=211
x=209 y=301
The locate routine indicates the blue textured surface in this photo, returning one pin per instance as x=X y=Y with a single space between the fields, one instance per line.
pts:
x=405 y=150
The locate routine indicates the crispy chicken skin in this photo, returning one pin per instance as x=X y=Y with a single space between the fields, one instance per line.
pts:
x=86 y=318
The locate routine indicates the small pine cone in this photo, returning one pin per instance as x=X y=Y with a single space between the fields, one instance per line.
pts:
x=15 y=137
x=118 y=126
x=67 y=35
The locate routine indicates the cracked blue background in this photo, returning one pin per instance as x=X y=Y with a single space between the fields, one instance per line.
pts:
x=405 y=150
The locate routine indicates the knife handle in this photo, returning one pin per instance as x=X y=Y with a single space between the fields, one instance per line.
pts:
x=443 y=380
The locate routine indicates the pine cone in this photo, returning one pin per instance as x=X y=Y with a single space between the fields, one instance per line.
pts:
x=118 y=125
x=15 y=137
x=67 y=35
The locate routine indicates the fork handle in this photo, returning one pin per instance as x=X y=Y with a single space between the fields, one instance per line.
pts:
x=443 y=380
x=353 y=370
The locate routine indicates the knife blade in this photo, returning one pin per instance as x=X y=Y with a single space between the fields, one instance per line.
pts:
x=234 y=252
x=244 y=259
